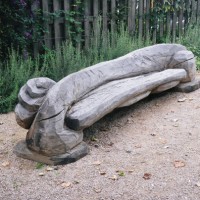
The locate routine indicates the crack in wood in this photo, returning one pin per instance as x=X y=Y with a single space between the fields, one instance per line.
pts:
x=52 y=116
x=183 y=61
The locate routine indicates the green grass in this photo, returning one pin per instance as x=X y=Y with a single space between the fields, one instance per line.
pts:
x=58 y=63
x=67 y=59
x=13 y=74
x=39 y=165
x=191 y=39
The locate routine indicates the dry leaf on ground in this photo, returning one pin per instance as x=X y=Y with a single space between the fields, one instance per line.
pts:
x=97 y=162
x=147 y=176
x=102 y=173
x=5 y=164
x=120 y=173
x=41 y=174
x=76 y=182
x=138 y=146
x=162 y=140
x=97 y=190
x=114 y=177
x=198 y=184
x=66 y=184
x=49 y=169
x=175 y=125
x=182 y=100
x=166 y=147
x=179 y=163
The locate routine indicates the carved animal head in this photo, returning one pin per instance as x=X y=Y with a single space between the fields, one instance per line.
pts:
x=30 y=97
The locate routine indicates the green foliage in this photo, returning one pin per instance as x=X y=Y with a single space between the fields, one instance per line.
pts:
x=22 y=24
x=191 y=40
x=165 y=6
x=39 y=165
x=72 y=17
x=13 y=74
x=57 y=64
x=160 y=10
x=110 y=45
x=16 y=21
x=19 y=18
x=93 y=138
x=121 y=173
x=67 y=59
x=60 y=62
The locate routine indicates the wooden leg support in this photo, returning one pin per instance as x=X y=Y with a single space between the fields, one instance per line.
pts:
x=73 y=155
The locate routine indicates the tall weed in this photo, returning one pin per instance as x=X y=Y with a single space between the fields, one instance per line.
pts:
x=13 y=74
x=58 y=63
x=191 y=39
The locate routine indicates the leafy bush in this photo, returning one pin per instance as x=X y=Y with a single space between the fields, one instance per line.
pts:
x=13 y=74
x=16 y=22
x=22 y=24
x=191 y=40
x=58 y=64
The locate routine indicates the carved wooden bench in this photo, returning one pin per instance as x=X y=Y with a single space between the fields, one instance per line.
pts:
x=56 y=113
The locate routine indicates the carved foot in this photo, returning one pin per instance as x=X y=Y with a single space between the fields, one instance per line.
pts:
x=73 y=155
x=188 y=87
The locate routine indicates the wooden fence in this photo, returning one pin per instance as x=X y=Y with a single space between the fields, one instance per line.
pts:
x=140 y=16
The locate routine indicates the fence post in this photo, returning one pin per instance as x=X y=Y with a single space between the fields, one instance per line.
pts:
x=105 y=18
x=95 y=17
x=155 y=23
x=180 y=19
x=187 y=11
x=131 y=16
x=46 y=23
x=113 y=18
x=34 y=8
x=174 y=21
x=139 y=21
x=78 y=27
x=193 y=11
x=66 y=22
x=87 y=28
x=56 y=8
x=147 y=24
x=198 y=12
x=161 y=22
x=141 y=9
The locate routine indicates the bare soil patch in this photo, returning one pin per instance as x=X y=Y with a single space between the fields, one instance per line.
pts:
x=149 y=151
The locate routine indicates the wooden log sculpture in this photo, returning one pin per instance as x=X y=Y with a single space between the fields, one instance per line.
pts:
x=56 y=113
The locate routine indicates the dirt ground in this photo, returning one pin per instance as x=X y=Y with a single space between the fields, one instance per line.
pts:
x=149 y=151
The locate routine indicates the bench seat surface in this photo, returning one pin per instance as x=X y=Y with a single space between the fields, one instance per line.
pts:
x=102 y=100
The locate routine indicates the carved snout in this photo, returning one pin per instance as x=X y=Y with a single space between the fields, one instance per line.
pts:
x=30 y=98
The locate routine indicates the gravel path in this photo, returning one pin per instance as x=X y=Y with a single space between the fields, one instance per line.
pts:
x=149 y=151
